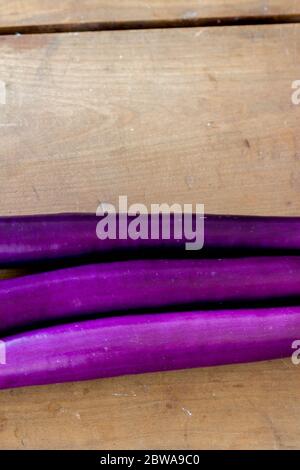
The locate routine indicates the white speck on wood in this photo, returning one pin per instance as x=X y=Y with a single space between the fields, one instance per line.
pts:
x=190 y=14
x=187 y=412
x=124 y=394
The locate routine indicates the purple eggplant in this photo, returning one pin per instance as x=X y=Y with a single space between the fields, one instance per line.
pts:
x=136 y=344
x=40 y=238
x=144 y=284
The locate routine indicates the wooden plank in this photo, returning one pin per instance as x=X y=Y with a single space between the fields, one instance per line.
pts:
x=247 y=406
x=188 y=115
x=46 y=12
x=13 y=272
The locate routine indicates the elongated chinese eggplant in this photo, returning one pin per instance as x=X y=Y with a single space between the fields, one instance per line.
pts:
x=146 y=343
x=40 y=238
x=142 y=284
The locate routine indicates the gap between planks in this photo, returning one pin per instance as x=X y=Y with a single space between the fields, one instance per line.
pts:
x=149 y=24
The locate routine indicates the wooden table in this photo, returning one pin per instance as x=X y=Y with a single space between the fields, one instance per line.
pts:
x=158 y=101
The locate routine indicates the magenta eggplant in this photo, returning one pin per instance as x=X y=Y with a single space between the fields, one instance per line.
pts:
x=44 y=237
x=136 y=344
x=144 y=284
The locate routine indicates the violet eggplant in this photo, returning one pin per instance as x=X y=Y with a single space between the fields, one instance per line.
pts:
x=40 y=238
x=116 y=346
x=142 y=284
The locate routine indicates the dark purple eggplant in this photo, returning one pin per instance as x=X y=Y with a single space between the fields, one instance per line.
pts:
x=40 y=238
x=146 y=343
x=144 y=284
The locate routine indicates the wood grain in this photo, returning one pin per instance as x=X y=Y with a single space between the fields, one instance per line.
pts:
x=187 y=115
x=48 y=12
x=251 y=406
x=177 y=115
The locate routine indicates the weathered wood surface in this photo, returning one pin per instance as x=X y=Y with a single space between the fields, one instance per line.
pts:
x=189 y=115
x=247 y=406
x=15 y=13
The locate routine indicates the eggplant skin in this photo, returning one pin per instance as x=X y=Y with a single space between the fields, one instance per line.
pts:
x=138 y=344
x=47 y=237
x=144 y=284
